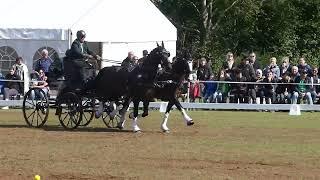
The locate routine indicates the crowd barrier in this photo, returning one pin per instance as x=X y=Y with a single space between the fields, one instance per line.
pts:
x=210 y=106
x=207 y=106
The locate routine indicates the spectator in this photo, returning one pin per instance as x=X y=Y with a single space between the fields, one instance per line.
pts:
x=286 y=66
x=315 y=89
x=284 y=90
x=295 y=73
x=229 y=65
x=249 y=73
x=12 y=88
x=269 y=89
x=44 y=62
x=209 y=90
x=259 y=88
x=253 y=60
x=2 y=83
x=203 y=73
x=303 y=66
x=239 y=89
x=21 y=70
x=223 y=88
x=41 y=83
x=195 y=91
x=302 y=90
x=273 y=67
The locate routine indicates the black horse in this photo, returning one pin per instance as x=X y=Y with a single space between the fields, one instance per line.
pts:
x=165 y=89
x=113 y=83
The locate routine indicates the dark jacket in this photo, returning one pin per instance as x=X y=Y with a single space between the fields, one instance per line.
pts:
x=128 y=64
x=204 y=73
x=225 y=66
x=307 y=68
x=283 y=70
x=257 y=65
x=13 y=84
x=281 y=88
x=247 y=71
x=239 y=87
x=269 y=87
x=76 y=52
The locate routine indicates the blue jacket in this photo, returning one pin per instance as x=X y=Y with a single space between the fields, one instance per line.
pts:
x=210 y=87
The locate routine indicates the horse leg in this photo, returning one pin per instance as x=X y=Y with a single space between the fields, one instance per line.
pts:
x=145 y=108
x=164 y=126
x=115 y=109
x=184 y=114
x=123 y=112
x=135 y=116
x=99 y=110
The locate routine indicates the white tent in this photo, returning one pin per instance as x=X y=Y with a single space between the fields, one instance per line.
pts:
x=118 y=25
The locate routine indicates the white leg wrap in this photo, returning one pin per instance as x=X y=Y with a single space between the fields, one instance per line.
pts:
x=99 y=110
x=135 y=125
x=185 y=115
x=164 y=122
x=122 y=119
x=115 y=109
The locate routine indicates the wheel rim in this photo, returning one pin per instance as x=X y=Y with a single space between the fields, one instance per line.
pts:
x=71 y=112
x=110 y=121
x=35 y=107
x=88 y=111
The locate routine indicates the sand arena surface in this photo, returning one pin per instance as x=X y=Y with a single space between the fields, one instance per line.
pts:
x=218 y=146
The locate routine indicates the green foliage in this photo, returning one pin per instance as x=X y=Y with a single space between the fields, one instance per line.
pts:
x=268 y=27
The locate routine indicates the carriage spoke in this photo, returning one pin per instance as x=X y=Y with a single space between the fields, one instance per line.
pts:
x=32 y=117
x=30 y=103
x=37 y=119
x=32 y=113
x=40 y=117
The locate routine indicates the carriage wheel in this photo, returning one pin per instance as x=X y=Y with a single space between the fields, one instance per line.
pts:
x=88 y=105
x=110 y=120
x=70 y=113
x=35 y=107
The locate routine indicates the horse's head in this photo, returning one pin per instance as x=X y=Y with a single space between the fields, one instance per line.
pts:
x=181 y=66
x=159 y=55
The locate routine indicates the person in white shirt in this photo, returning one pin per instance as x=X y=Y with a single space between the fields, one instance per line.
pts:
x=22 y=71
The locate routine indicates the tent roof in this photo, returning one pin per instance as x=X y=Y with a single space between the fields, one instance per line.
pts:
x=103 y=20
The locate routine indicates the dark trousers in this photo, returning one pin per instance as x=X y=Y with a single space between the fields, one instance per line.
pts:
x=78 y=73
x=9 y=93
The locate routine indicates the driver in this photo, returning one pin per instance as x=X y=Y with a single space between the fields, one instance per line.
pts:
x=79 y=66
x=81 y=62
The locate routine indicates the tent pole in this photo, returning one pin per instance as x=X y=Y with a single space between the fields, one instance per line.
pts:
x=69 y=38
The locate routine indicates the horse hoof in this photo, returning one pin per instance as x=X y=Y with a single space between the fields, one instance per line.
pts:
x=144 y=114
x=119 y=126
x=190 y=123
x=137 y=131
x=165 y=131
x=131 y=115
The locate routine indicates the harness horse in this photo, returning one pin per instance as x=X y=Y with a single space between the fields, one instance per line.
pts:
x=166 y=89
x=112 y=84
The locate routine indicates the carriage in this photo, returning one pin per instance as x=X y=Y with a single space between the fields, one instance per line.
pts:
x=114 y=85
x=77 y=108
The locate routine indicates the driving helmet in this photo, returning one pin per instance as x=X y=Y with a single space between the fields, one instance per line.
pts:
x=81 y=34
